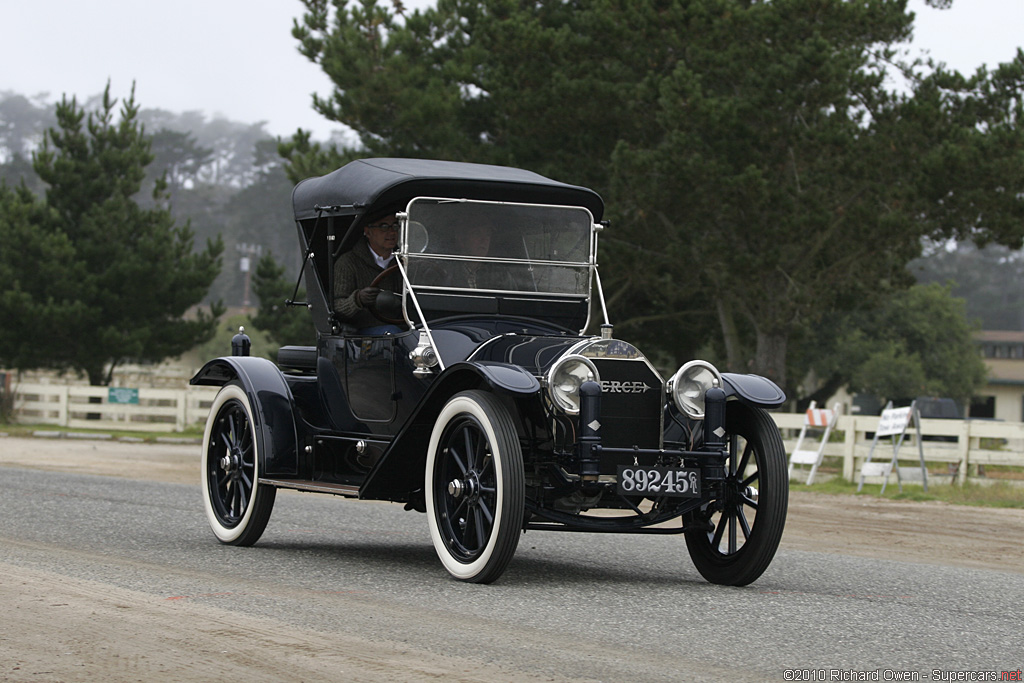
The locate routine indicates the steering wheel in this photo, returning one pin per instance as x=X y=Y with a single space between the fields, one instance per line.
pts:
x=374 y=307
x=419 y=238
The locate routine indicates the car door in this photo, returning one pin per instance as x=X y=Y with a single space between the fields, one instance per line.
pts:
x=370 y=378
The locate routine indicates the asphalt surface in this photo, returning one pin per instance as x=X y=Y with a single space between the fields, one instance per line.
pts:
x=570 y=606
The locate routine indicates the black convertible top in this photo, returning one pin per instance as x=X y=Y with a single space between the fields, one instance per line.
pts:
x=367 y=185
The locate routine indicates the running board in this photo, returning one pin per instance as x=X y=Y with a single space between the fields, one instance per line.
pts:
x=347 y=490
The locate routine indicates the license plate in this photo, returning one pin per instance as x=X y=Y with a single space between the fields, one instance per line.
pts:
x=635 y=480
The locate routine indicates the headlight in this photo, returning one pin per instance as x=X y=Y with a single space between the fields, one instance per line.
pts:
x=566 y=377
x=689 y=384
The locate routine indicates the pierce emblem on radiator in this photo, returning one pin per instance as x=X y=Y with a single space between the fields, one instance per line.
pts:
x=613 y=387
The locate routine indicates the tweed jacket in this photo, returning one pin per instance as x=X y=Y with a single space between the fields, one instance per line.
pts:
x=353 y=271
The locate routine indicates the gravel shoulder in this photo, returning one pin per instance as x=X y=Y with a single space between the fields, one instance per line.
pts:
x=59 y=628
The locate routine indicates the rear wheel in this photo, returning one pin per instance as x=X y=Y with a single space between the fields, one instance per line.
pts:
x=237 y=505
x=474 y=487
x=749 y=516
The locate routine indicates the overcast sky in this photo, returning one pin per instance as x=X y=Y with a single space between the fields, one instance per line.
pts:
x=237 y=58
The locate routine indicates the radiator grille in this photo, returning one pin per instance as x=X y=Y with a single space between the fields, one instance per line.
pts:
x=632 y=402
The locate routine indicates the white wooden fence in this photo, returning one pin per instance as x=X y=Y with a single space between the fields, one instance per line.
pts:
x=87 y=407
x=968 y=443
x=965 y=444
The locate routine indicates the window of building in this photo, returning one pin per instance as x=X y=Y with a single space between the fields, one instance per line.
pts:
x=983 y=406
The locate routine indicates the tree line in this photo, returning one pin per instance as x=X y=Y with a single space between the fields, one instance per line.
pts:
x=225 y=178
x=770 y=192
x=763 y=176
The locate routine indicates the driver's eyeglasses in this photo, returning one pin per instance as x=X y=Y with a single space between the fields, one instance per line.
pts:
x=384 y=226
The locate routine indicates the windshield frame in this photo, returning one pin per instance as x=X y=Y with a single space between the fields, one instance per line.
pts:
x=411 y=304
x=584 y=263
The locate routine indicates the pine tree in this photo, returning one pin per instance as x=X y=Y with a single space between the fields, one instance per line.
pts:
x=284 y=324
x=128 y=275
x=760 y=168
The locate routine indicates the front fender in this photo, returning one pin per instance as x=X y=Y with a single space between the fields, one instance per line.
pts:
x=753 y=390
x=502 y=377
x=272 y=405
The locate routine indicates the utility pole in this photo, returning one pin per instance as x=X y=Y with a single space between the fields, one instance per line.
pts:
x=247 y=253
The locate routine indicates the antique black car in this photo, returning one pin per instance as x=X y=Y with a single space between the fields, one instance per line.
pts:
x=488 y=406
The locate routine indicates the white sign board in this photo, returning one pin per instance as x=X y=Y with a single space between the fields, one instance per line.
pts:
x=893 y=422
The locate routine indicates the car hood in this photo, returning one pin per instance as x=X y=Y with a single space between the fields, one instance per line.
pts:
x=538 y=353
x=532 y=353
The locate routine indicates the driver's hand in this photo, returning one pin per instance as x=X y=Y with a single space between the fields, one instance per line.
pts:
x=367 y=296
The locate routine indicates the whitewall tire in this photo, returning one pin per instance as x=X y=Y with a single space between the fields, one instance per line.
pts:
x=474 y=487
x=237 y=506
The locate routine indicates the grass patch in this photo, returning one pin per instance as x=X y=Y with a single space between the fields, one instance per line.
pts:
x=999 y=494
x=834 y=485
x=27 y=430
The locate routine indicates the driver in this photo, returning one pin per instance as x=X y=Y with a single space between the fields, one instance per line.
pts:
x=356 y=270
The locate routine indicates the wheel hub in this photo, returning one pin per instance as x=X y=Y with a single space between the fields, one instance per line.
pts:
x=733 y=490
x=468 y=486
x=751 y=493
x=231 y=462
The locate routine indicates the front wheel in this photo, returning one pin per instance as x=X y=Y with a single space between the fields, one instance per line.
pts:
x=474 y=487
x=749 y=516
x=237 y=505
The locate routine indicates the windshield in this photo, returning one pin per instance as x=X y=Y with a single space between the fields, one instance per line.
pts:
x=459 y=244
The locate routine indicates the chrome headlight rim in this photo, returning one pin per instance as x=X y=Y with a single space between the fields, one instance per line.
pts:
x=682 y=383
x=563 y=400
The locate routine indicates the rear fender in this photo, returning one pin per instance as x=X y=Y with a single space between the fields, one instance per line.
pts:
x=272 y=405
x=400 y=469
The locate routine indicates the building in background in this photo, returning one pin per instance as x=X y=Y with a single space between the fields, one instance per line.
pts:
x=1003 y=397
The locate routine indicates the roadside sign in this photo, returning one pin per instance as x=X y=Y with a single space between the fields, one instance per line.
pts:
x=893 y=424
x=122 y=395
x=894 y=421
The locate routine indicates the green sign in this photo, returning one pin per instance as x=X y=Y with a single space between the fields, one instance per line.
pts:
x=122 y=395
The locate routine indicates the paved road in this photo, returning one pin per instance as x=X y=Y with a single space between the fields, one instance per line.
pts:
x=331 y=574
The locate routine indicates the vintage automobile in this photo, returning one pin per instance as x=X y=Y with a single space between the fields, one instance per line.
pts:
x=488 y=406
